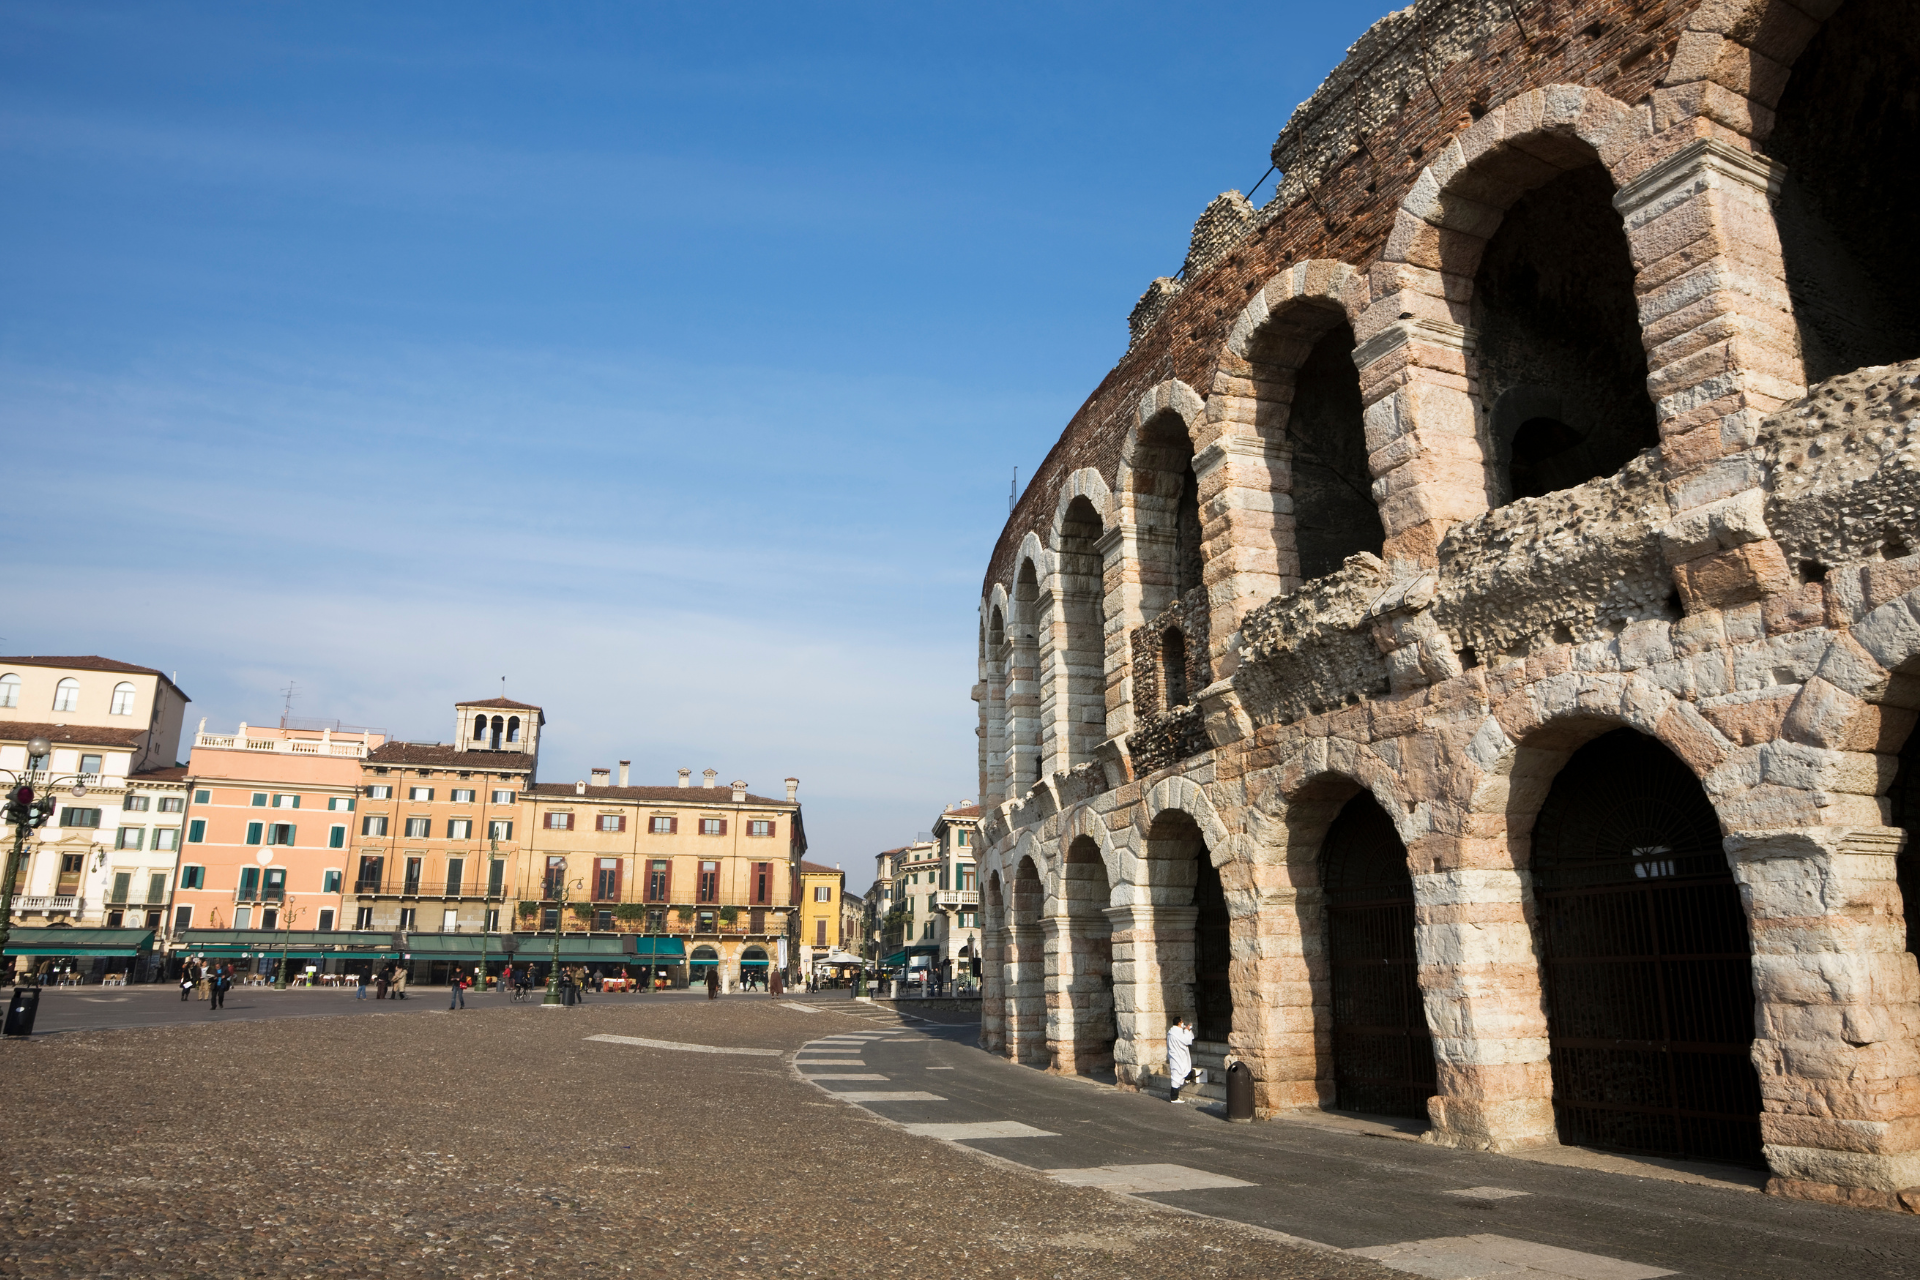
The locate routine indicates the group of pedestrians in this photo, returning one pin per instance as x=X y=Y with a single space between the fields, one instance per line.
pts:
x=209 y=982
x=389 y=982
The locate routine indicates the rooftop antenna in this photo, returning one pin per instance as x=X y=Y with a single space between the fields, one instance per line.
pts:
x=286 y=709
x=503 y=688
x=1013 y=490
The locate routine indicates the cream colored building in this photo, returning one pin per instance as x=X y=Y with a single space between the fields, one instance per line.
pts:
x=107 y=857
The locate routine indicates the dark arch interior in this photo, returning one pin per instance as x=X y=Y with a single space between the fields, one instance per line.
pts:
x=1905 y=804
x=1088 y=893
x=1179 y=859
x=1083 y=603
x=1173 y=669
x=1334 y=515
x=1023 y=718
x=1163 y=465
x=1648 y=971
x=1848 y=132
x=1382 y=1050
x=1562 y=370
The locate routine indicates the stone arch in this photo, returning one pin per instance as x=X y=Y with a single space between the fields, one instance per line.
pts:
x=1024 y=955
x=1081 y=1028
x=1081 y=821
x=1740 y=52
x=1846 y=129
x=1023 y=675
x=1183 y=795
x=1256 y=468
x=1161 y=582
x=994 y=655
x=1086 y=483
x=1074 y=657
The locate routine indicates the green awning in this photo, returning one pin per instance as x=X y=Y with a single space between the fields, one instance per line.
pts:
x=660 y=950
x=234 y=942
x=79 y=942
x=753 y=964
x=895 y=960
x=455 y=946
x=574 y=949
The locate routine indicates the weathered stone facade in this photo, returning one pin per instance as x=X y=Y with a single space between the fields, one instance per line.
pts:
x=1489 y=438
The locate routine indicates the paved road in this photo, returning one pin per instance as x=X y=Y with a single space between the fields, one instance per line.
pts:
x=110 y=1008
x=1425 y=1210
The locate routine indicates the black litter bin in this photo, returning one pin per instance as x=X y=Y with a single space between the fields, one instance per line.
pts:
x=1239 y=1092
x=22 y=1010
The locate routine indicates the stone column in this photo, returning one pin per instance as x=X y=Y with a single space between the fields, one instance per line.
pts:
x=993 y=989
x=1120 y=551
x=1423 y=441
x=1079 y=994
x=1153 y=979
x=1723 y=351
x=1837 y=1013
x=1480 y=983
x=1279 y=982
x=1245 y=484
x=1024 y=967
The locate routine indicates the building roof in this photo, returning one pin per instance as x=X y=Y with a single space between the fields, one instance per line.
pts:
x=964 y=811
x=67 y=735
x=446 y=757
x=176 y=774
x=651 y=795
x=505 y=704
x=89 y=662
x=815 y=869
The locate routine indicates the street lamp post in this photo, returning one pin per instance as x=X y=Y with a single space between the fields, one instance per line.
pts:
x=287 y=915
x=27 y=813
x=559 y=922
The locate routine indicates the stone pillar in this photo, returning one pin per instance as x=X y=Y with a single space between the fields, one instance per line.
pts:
x=1480 y=983
x=1024 y=967
x=993 y=989
x=1423 y=441
x=1723 y=351
x=1279 y=983
x=1245 y=484
x=1153 y=981
x=1120 y=551
x=1079 y=994
x=1837 y=1013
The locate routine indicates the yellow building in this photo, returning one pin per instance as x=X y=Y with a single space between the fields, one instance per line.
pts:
x=821 y=932
x=682 y=879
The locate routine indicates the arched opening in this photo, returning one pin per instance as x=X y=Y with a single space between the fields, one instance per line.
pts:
x=754 y=968
x=1087 y=959
x=1173 y=669
x=1023 y=703
x=480 y=729
x=702 y=962
x=1334 y=515
x=513 y=729
x=1166 y=511
x=1647 y=967
x=1382 y=1050
x=66 y=695
x=994 y=784
x=1026 y=959
x=122 y=704
x=1077 y=695
x=1181 y=874
x=1904 y=804
x=1848 y=131
x=499 y=727
x=1559 y=359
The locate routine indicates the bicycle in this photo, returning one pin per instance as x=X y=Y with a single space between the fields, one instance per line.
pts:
x=521 y=993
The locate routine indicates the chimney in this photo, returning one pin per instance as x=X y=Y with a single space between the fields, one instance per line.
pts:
x=624 y=764
x=685 y=774
x=709 y=775
x=793 y=789
x=739 y=791
x=600 y=777
x=579 y=788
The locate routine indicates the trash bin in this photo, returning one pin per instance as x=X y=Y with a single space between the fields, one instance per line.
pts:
x=1239 y=1092
x=21 y=1011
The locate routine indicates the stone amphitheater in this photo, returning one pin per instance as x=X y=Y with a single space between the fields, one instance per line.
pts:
x=1464 y=653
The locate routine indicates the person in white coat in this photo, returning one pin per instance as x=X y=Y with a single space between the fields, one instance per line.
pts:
x=1179 y=1054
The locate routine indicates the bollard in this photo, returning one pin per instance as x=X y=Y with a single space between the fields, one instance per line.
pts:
x=22 y=1010
x=1239 y=1092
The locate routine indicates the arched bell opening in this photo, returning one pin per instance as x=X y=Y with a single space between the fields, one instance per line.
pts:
x=1847 y=130
x=1647 y=966
x=1559 y=358
x=1086 y=961
x=1382 y=1049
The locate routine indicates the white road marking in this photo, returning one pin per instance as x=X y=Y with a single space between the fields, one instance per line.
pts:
x=884 y=1095
x=940 y=1068
x=848 y=1075
x=978 y=1129
x=803 y=1008
x=828 y=1062
x=685 y=1048
x=1145 y=1179
x=1471 y=1257
x=1487 y=1193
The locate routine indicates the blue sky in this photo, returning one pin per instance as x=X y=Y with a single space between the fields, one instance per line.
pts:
x=671 y=361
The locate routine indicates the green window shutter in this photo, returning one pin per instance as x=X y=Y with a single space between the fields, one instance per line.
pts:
x=337 y=838
x=253 y=833
x=259 y=799
x=351 y=802
x=196 y=831
x=296 y=802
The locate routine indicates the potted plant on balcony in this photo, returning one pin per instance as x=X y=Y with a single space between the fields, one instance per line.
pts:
x=630 y=914
x=728 y=915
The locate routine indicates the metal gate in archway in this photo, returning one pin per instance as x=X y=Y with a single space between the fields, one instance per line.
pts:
x=1382 y=1050
x=1648 y=972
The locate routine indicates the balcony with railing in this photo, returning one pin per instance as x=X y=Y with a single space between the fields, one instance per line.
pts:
x=54 y=904
x=324 y=745
x=957 y=898
x=401 y=887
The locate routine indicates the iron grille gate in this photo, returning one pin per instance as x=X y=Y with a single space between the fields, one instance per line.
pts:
x=1382 y=1050
x=1648 y=971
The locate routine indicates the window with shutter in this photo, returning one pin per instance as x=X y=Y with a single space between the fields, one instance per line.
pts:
x=763 y=882
x=606 y=880
x=659 y=880
x=709 y=882
x=254 y=831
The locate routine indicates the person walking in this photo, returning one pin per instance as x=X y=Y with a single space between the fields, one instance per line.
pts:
x=400 y=982
x=362 y=994
x=1179 y=1055
x=380 y=983
x=187 y=980
x=222 y=979
x=713 y=982
x=506 y=977
x=456 y=987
